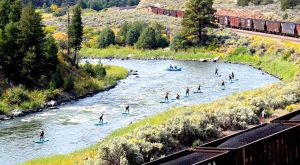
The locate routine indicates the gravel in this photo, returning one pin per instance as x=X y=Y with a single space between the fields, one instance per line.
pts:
x=251 y=136
x=295 y=118
x=189 y=159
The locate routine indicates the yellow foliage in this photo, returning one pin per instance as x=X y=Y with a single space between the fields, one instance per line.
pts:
x=60 y=36
x=50 y=29
x=54 y=7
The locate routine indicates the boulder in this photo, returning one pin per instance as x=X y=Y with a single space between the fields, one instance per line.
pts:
x=17 y=113
x=216 y=59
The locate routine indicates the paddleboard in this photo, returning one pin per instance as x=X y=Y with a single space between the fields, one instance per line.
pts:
x=185 y=96
x=164 y=102
x=125 y=113
x=230 y=82
x=218 y=75
x=223 y=88
x=198 y=92
x=236 y=79
x=41 y=141
x=100 y=124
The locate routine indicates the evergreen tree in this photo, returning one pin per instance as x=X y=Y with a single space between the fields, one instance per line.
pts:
x=132 y=36
x=4 y=13
x=106 y=38
x=75 y=31
x=147 y=39
x=198 y=15
x=50 y=61
x=15 y=11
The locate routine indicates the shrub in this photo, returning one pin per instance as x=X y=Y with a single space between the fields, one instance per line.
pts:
x=180 y=42
x=57 y=80
x=106 y=38
x=69 y=84
x=147 y=39
x=17 y=95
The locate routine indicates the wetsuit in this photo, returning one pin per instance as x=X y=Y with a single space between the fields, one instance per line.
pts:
x=171 y=67
x=216 y=72
x=42 y=135
x=167 y=96
x=187 y=92
x=230 y=79
x=101 y=119
x=199 y=89
x=223 y=84
x=232 y=76
x=178 y=97
x=127 y=109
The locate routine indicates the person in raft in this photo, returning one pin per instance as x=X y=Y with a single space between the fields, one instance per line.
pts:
x=101 y=118
x=171 y=67
x=177 y=96
x=167 y=96
x=42 y=133
x=223 y=84
x=127 y=108
x=216 y=72
x=232 y=76
x=187 y=91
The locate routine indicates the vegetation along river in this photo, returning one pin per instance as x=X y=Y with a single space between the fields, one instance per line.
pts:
x=72 y=126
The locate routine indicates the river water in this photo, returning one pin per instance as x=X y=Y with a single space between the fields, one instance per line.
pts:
x=72 y=127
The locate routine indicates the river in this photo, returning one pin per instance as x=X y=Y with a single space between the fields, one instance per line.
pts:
x=71 y=127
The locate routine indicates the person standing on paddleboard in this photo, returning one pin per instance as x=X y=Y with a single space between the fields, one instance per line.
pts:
x=101 y=119
x=216 y=72
x=232 y=76
x=42 y=133
x=177 y=96
x=223 y=84
x=127 y=108
x=199 y=88
x=187 y=91
x=167 y=96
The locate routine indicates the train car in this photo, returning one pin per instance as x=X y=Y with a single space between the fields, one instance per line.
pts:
x=224 y=20
x=180 y=13
x=174 y=13
x=273 y=27
x=235 y=22
x=160 y=11
x=167 y=12
x=154 y=10
x=246 y=23
x=288 y=28
x=298 y=30
x=259 y=25
x=195 y=157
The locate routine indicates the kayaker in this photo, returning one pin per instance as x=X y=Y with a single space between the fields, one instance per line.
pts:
x=167 y=96
x=42 y=133
x=101 y=119
x=127 y=108
x=187 y=91
x=223 y=84
x=177 y=96
x=232 y=76
x=199 y=88
x=216 y=72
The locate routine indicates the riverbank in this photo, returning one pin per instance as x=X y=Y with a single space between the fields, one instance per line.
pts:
x=183 y=127
x=39 y=100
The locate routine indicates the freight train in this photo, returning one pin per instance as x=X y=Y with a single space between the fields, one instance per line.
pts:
x=276 y=143
x=258 y=25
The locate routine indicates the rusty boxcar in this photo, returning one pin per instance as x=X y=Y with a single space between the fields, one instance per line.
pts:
x=273 y=27
x=246 y=23
x=160 y=11
x=180 y=13
x=235 y=22
x=174 y=13
x=223 y=20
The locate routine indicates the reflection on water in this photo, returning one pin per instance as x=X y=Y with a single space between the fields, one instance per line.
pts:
x=72 y=126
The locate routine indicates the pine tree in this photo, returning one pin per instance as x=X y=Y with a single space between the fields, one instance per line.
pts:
x=132 y=36
x=4 y=12
x=75 y=31
x=15 y=11
x=147 y=39
x=198 y=15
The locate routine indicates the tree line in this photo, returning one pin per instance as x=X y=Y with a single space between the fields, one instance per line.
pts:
x=27 y=54
x=92 y=4
x=138 y=34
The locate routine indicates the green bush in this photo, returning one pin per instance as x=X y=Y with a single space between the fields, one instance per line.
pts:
x=69 y=86
x=106 y=38
x=17 y=95
x=57 y=80
x=95 y=71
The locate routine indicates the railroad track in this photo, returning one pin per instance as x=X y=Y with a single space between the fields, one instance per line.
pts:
x=252 y=33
